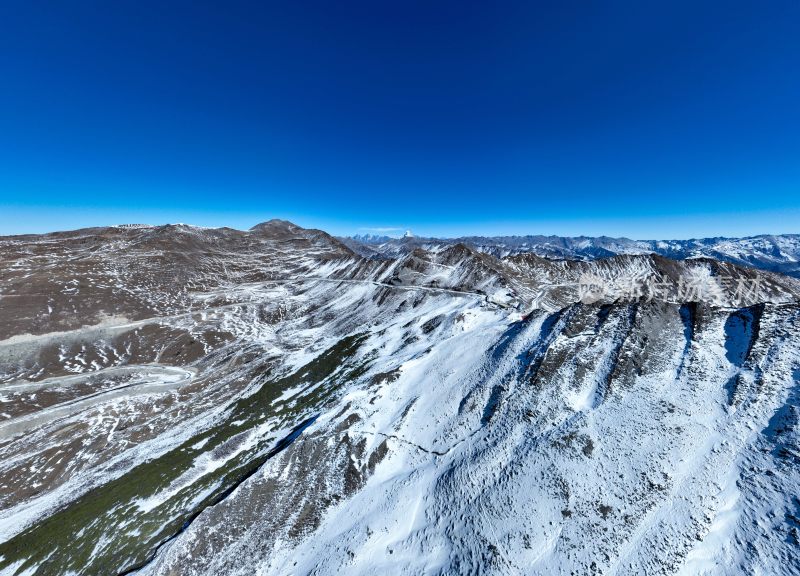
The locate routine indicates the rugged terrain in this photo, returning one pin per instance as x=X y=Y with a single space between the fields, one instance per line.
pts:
x=179 y=400
x=776 y=253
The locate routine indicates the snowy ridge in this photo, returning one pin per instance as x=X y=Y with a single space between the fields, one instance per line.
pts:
x=776 y=253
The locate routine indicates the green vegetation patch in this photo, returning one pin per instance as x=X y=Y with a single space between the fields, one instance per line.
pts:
x=107 y=531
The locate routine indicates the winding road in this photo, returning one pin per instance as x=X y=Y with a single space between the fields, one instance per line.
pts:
x=145 y=379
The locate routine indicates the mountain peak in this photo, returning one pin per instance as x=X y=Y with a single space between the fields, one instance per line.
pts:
x=275 y=224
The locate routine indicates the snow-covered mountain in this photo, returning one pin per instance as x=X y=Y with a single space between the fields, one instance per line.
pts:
x=779 y=253
x=376 y=239
x=179 y=400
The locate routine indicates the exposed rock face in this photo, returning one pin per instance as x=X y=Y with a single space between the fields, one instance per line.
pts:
x=177 y=400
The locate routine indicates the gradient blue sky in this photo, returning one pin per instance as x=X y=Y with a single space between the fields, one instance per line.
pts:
x=651 y=120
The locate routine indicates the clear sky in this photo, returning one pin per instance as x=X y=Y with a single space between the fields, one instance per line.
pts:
x=651 y=120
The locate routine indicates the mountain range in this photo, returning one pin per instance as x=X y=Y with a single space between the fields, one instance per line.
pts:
x=200 y=401
x=777 y=253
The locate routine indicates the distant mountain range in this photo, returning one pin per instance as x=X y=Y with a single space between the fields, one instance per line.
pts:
x=776 y=253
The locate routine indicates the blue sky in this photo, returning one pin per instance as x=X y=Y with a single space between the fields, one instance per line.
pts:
x=623 y=118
